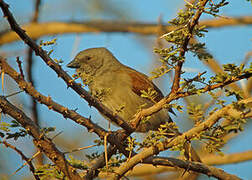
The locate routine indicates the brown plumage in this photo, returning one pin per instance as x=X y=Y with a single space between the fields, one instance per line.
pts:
x=118 y=86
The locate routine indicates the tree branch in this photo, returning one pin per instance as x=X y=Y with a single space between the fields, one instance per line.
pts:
x=38 y=30
x=166 y=162
x=28 y=160
x=67 y=113
x=233 y=158
x=62 y=74
x=40 y=140
x=68 y=80
x=208 y=159
x=183 y=49
x=194 y=166
x=215 y=117
x=115 y=138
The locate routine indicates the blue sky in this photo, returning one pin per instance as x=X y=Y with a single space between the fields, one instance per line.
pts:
x=228 y=45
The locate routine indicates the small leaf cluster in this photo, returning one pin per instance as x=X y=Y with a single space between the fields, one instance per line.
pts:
x=237 y=94
x=234 y=70
x=231 y=71
x=76 y=163
x=47 y=130
x=189 y=84
x=169 y=56
x=240 y=107
x=196 y=113
x=165 y=131
x=47 y=43
x=170 y=107
x=160 y=71
x=215 y=135
x=8 y=134
x=131 y=144
x=150 y=94
x=49 y=171
x=215 y=7
x=115 y=161
x=99 y=142
x=198 y=49
x=58 y=61
x=50 y=43
x=177 y=38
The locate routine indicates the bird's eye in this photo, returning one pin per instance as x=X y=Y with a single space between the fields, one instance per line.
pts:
x=88 y=57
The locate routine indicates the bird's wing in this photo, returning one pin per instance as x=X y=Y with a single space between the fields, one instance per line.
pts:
x=140 y=82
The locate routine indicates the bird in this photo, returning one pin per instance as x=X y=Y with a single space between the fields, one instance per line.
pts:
x=120 y=89
x=118 y=86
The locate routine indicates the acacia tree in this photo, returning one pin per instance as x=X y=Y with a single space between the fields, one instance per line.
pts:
x=214 y=124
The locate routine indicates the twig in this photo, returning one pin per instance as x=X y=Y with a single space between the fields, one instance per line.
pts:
x=28 y=161
x=79 y=149
x=105 y=151
x=13 y=94
x=44 y=144
x=20 y=67
x=35 y=155
x=183 y=49
x=213 y=119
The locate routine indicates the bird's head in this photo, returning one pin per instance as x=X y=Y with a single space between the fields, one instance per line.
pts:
x=93 y=61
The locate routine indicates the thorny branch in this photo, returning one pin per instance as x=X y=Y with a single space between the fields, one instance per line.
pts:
x=208 y=159
x=40 y=140
x=183 y=49
x=67 y=113
x=208 y=123
x=62 y=74
x=28 y=160
x=115 y=138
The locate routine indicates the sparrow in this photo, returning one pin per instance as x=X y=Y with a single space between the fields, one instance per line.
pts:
x=118 y=86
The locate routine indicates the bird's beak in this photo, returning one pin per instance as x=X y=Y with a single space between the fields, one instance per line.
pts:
x=74 y=64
